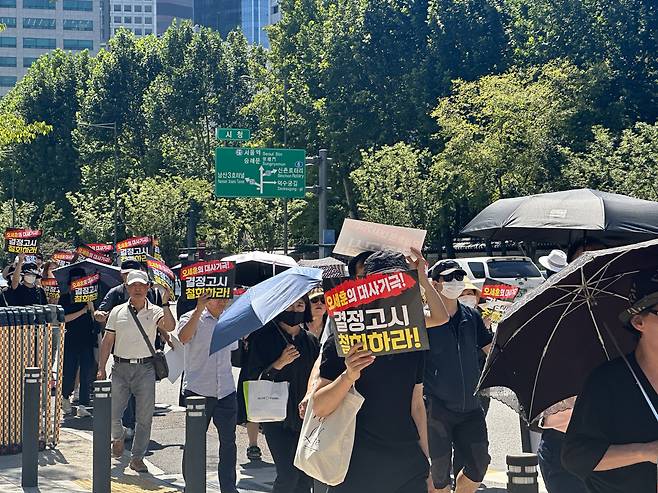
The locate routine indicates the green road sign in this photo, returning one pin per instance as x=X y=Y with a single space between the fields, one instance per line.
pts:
x=258 y=172
x=232 y=133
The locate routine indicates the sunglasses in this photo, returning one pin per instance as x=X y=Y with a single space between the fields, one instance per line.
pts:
x=654 y=311
x=319 y=299
x=458 y=276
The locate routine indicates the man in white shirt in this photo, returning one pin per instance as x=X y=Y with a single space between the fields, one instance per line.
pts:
x=132 y=371
x=210 y=376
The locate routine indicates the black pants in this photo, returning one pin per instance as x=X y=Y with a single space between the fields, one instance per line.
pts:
x=556 y=477
x=282 y=443
x=82 y=356
x=223 y=413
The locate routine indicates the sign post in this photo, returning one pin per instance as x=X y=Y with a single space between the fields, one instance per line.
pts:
x=260 y=172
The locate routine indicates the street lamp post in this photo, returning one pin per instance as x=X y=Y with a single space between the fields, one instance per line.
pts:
x=111 y=126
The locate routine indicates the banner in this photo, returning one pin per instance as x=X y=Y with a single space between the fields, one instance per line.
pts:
x=85 y=252
x=217 y=278
x=162 y=275
x=496 y=298
x=382 y=311
x=362 y=236
x=51 y=288
x=136 y=248
x=22 y=240
x=101 y=247
x=64 y=257
x=85 y=289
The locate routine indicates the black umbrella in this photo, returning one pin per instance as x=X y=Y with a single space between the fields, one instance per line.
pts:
x=549 y=341
x=563 y=217
x=110 y=276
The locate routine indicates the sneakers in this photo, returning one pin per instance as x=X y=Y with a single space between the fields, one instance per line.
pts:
x=82 y=412
x=254 y=453
x=138 y=465
x=66 y=406
x=128 y=433
x=117 y=448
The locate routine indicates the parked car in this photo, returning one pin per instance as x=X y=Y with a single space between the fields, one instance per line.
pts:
x=516 y=271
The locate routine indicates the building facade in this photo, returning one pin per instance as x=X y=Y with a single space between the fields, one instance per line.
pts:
x=36 y=27
x=139 y=16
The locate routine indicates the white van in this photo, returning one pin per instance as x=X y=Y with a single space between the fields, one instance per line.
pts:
x=516 y=271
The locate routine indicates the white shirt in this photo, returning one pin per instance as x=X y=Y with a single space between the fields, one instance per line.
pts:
x=129 y=342
x=209 y=375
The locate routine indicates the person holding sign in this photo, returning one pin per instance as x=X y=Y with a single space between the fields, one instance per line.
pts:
x=24 y=290
x=455 y=415
x=78 y=346
x=283 y=351
x=390 y=453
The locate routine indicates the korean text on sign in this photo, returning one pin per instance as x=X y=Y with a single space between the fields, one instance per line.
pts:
x=85 y=289
x=22 y=241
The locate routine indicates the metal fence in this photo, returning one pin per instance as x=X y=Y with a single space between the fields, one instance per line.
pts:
x=31 y=336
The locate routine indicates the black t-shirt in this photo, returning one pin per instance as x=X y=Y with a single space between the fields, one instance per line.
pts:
x=24 y=296
x=611 y=410
x=81 y=330
x=265 y=347
x=387 y=386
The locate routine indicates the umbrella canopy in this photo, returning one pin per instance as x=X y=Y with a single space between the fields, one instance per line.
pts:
x=549 y=342
x=110 y=275
x=254 y=267
x=563 y=217
x=331 y=267
x=261 y=303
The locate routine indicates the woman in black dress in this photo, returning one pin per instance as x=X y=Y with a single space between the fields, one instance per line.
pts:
x=283 y=351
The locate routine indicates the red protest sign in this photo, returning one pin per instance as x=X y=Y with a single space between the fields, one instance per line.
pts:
x=136 y=248
x=22 y=240
x=64 y=257
x=85 y=252
x=85 y=289
x=215 y=278
x=101 y=247
x=495 y=290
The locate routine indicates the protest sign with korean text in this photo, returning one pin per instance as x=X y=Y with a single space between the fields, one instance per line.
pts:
x=22 y=241
x=215 y=278
x=496 y=297
x=101 y=247
x=384 y=312
x=51 y=288
x=84 y=251
x=136 y=248
x=363 y=236
x=85 y=289
x=64 y=257
x=161 y=275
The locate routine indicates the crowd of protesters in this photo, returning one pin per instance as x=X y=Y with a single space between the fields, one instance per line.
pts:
x=421 y=428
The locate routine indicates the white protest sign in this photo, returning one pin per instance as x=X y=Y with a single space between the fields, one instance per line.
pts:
x=175 y=360
x=362 y=236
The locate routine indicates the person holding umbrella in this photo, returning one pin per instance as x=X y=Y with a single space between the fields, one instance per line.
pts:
x=612 y=440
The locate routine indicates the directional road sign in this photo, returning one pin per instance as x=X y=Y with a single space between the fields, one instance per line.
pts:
x=259 y=172
x=232 y=133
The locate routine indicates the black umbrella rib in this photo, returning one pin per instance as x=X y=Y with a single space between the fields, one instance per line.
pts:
x=596 y=325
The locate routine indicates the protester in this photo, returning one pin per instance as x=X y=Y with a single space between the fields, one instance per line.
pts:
x=455 y=415
x=24 y=290
x=78 y=348
x=612 y=440
x=390 y=453
x=132 y=371
x=283 y=351
x=210 y=376
x=318 y=311
x=254 y=452
x=555 y=421
x=554 y=262
x=355 y=266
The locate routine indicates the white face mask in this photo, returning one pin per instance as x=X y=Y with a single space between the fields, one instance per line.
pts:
x=453 y=289
x=469 y=300
x=29 y=279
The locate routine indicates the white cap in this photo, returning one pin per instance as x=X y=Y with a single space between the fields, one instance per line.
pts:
x=554 y=261
x=137 y=276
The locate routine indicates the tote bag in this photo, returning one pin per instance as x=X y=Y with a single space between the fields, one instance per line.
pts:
x=325 y=445
x=266 y=401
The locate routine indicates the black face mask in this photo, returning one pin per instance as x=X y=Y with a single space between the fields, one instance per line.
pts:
x=291 y=318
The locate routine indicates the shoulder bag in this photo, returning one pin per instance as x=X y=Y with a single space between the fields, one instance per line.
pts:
x=159 y=360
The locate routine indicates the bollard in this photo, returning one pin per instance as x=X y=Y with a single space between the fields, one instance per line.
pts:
x=102 y=435
x=195 y=445
x=30 y=435
x=522 y=473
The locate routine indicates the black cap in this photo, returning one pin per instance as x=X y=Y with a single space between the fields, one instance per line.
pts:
x=76 y=272
x=361 y=257
x=30 y=268
x=643 y=294
x=385 y=261
x=445 y=267
x=127 y=265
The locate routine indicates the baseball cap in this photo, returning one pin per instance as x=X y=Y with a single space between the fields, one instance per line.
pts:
x=643 y=294
x=385 y=261
x=30 y=268
x=445 y=267
x=315 y=293
x=128 y=265
x=137 y=276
